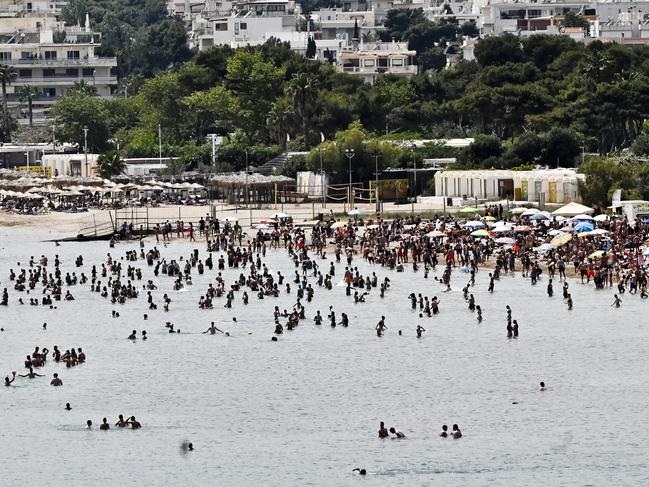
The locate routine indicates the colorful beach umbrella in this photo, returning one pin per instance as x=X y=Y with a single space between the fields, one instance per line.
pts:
x=480 y=233
x=562 y=239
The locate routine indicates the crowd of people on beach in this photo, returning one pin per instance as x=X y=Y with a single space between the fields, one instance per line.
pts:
x=325 y=258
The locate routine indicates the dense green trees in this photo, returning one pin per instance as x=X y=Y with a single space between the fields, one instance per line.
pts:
x=536 y=100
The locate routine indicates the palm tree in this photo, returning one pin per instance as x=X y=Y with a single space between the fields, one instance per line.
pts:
x=597 y=65
x=7 y=75
x=278 y=121
x=110 y=164
x=27 y=94
x=303 y=89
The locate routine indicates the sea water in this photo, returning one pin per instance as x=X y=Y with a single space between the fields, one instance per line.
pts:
x=305 y=410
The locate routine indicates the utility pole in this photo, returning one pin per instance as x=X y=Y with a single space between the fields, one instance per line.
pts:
x=350 y=153
x=248 y=191
x=85 y=149
x=376 y=182
x=160 y=144
x=322 y=184
x=213 y=137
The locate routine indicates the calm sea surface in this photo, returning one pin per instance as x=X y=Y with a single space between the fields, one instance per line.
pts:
x=305 y=410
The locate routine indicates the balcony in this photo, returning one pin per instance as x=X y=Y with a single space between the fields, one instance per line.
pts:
x=399 y=70
x=62 y=62
x=62 y=80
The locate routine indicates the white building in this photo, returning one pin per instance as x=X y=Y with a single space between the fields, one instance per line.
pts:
x=546 y=186
x=71 y=164
x=53 y=57
x=371 y=60
x=249 y=23
x=625 y=21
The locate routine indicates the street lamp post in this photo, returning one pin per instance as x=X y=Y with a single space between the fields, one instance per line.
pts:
x=350 y=153
x=248 y=190
x=160 y=144
x=322 y=184
x=85 y=149
x=376 y=180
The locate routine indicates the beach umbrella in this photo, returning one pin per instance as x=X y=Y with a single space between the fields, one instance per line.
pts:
x=562 y=239
x=489 y=218
x=601 y=218
x=567 y=228
x=518 y=211
x=597 y=254
x=469 y=209
x=542 y=215
x=554 y=233
x=354 y=212
x=474 y=224
x=584 y=227
x=435 y=234
x=480 y=233
x=505 y=241
x=584 y=234
x=599 y=231
x=501 y=229
x=572 y=209
x=339 y=225
x=582 y=217
x=530 y=212
x=544 y=247
x=523 y=228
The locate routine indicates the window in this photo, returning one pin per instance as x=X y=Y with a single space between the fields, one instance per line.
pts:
x=369 y=63
x=88 y=72
x=243 y=26
x=48 y=73
x=220 y=27
x=5 y=56
x=397 y=62
x=236 y=29
x=49 y=92
x=24 y=73
x=275 y=8
x=26 y=55
x=72 y=72
x=50 y=55
x=73 y=54
x=29 y=7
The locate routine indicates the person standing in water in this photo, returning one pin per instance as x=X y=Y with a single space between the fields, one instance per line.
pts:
x=616 y=301
x=383 y=431
x=380 y=327
x=420 y=330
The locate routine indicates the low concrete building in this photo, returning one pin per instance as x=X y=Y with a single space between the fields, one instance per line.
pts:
x=545 y=186
x=71 y=164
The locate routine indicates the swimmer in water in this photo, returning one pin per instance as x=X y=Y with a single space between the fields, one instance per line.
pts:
x=104 y=425
x=135 y=424
x=383 y=432
x=616 y=301
x=361 y=471
x=31 y=374
x=56 y=381
x=444 y=432
x=68 y=407
x=541 y=386
x=397 y=434
x=380 y=327
x=457 y=434
x=420 y=330
x=212 y=329
x=88 y=425
x=7 y=381
x=121 y=422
